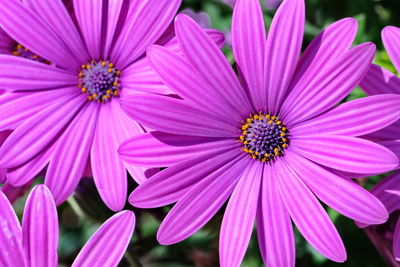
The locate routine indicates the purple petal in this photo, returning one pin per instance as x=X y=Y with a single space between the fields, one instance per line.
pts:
x=307 y=213
x=391 y=40
x=40 y=228
x=36 y=133
x=33 y=33
x=249 y=47
x=329 y=87
x=393 y=145
x=112 y=237
x=198 y=205
x=11 y=253
x=396 y=241
x=71 y=154
x=378 y=80
x=277 y=247
x=144 y=25
x=17 y=73
x=354 y=118
x=388 y=191
x=212 y=66
x=176 y=116
x=341 y=194
x=390 y=132
x=114 y=10
x=171 y=184
x=238 y=222
x=344 y=153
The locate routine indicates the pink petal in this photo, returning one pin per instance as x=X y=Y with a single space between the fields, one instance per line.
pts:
x=238 y=222
x=71 y=153
x=391 y=40
x=307 y=213
x=283 y=50
x=345 y=153
x=388 y=191
x=112 y=237
x=114 y=10
x=396 y=241
x=40 y=228
x=198 y=205
x=390 y=132
x=380 y=81
x=393 y=145
x=171 y=184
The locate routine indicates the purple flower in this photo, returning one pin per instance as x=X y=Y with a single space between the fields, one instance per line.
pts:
x=269 y=4
x=267 y=141
x=35 y=243
x=68 y=115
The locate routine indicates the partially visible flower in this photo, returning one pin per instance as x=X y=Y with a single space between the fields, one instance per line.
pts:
x=35 y=243
x=264 y=141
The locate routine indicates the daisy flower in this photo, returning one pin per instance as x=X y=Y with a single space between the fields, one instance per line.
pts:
x=267 y=141
x=35 y=243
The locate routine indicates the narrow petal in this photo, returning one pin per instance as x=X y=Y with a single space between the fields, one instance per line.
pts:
x=211 y=64
x=396 y=241
x=114 y=10
x=388 y=191
x=113 y=236
x=71 y=154
x=309 y=216
x=33 y=33
x=238 y=222
x=329 y=87
x=341 y=194
x=11 y=253
x=378 y=80
x=198 y=205
x=347 y=154
x=171 y=184
x=176 y=116
x=17 y=73
x=283 y=51
x=391 y=132
x=40 y=228
x=36 y=133
x=355 y=118
x=249 y=47
x=144 y=25
x=391 y=40
x=277 y=247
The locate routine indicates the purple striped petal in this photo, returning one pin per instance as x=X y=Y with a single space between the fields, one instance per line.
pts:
x=238 y=222
x=171 y=184
x=33 y=33
x=388 y=191
x=212 y=66
x=17 y=73
x=144 y=25
x=390 y=132
x=36 y=133
x=176 y=116
x=71 y=154
x=396 y=241
x=112 y=237
x=40 y=228
x=341 y=194
x=378 y=80
x=114 y=10
x=345 y=153
x=354 y=118
x=11 y=253
x=329 y=87
x=277 y=247
x=249 y=47
x=307 y=213
x=391 y=40
x=198 y=205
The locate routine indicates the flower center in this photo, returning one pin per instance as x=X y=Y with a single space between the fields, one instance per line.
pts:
x=22 y=51
x=99 y=80
x=264 y=137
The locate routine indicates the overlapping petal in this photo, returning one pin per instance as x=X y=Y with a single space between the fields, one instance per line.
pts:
x=391 y=40
x=378 y=80
x=388 y=191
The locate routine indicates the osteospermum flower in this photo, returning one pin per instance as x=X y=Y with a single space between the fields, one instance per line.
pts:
x=64 y=112
x=268 y=141
x=35 y=243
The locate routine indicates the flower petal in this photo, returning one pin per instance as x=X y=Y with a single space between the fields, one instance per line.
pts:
x=114 y=10
x=341 y=194
x=310 y=218
x=113 y=236
x=238 y=222
x=388 y=191
x=71 y=154
x=391 y=132
x=354 y=118
x=283 y=51
x=40 y=228
x=378 y=80
x=391 y=40
x=171 y=184
x=344 y=153
x=396 y=241
x=198 y=205
x=277 y=247
x=329 y=87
